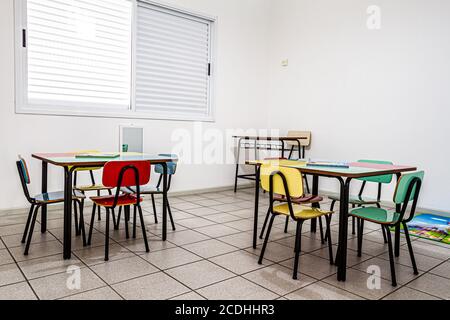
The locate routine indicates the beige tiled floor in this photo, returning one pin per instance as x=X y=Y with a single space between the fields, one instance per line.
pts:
x=209 y=256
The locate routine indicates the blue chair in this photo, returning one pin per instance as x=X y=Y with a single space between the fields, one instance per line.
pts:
x=43 y=199
x=153 y=190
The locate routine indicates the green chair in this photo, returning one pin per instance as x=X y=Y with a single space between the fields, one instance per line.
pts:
x=361 y=200
x=408 y=189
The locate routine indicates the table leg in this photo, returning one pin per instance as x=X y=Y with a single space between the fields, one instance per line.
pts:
x=238 y=156
x=315 y=192
x=255 y=218
x=397 y=228
x=67 y=244
x=164 y=213
x=44 y=190
x=343 y=230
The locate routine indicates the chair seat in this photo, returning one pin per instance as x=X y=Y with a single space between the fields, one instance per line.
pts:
x=307 y=199
x=357 y=200
x=95 y=187
x=301 y=212
x=56 y=197
x=143 y=190
x=376 y=215
x=123 y=200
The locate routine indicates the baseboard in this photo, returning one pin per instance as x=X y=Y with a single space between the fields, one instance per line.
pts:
x=21 y=210
x=217 y=189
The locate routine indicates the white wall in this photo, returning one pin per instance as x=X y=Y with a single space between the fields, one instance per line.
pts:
x=241 y=55
x=366 y=94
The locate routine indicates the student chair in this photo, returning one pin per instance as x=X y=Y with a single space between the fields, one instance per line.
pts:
x=288 y=182
x=408 y=189
x=93 y=187
x=120 y=174
x=360 y=200
x=303 y=200
x=43 y=199
x=154 y=190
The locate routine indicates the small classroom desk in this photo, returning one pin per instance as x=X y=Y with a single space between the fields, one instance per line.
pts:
x=344 y=176
x=70 y=163
x=256 y=139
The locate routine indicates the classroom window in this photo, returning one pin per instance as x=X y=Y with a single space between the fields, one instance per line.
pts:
x=123 y=58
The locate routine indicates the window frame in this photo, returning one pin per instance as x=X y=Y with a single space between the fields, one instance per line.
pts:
x=21 y=80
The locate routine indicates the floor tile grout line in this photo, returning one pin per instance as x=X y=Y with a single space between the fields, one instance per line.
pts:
x=20 y=269
x=122 y=244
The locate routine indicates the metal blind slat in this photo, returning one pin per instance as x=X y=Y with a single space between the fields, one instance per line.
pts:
x=79 y=51
x=173 y=52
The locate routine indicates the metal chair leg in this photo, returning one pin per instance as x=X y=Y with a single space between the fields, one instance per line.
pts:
x=116 y=227
x=360 y=236
x=30 y=233
x=127 y=218
x=27 y=226
x=91 y=226
x=298 y=246
x=154 y=208
x=391 y=257
x=286 y=225
x=328 y=235
x=261 y=235
x=134 y=222
x=353 y=225
x=331 y=209
x=75 y=214
x=144 y=232
x=384 y=235
x=411 y=252
x=269 y=229
x=82 y=226
x=114 y=219
x=107 y=236
x=322 y=239
x=98 y=209
x=171 y=217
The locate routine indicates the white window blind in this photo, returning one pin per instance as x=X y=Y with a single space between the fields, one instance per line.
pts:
x=79 y=53
x=173 y=56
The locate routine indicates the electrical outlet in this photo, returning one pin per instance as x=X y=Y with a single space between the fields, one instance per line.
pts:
x=285 y=63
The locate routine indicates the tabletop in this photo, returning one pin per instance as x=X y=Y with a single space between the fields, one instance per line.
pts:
x=69 y=159
x=355 y=170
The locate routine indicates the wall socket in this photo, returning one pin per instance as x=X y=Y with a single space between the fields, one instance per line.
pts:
x=285 y=63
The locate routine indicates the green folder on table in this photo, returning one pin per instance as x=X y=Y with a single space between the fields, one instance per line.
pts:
x=106 y=155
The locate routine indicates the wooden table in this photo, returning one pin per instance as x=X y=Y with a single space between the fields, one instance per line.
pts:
x=70 y=163
x=344 y=176
x=256 y=140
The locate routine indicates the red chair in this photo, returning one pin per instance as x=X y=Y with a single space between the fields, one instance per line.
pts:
x=119 y=174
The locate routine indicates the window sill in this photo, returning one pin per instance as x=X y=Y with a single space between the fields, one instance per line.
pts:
x=113 y=115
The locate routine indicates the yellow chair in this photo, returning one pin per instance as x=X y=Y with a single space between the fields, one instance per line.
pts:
x=94 y=187
x=288 y=182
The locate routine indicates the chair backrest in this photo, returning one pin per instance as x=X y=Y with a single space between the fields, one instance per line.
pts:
x=293 y=178
x=303 y=142
x=126 y=174
x=24 y=177
x=171 y=166
x=385 y=179
x=402 y=193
